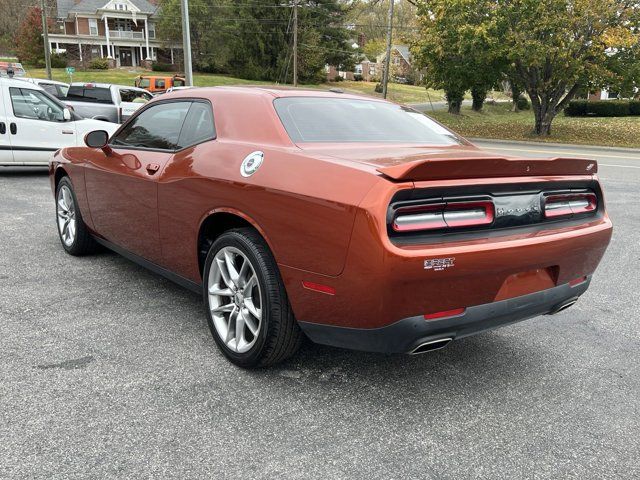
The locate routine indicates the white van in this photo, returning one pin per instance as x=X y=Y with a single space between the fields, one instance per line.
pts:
x=34 y=124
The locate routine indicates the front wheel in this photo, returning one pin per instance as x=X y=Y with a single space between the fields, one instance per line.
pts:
x=247 y=307
x=74 y=235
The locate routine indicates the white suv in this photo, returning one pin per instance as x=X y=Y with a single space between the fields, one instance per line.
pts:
x=33 y=124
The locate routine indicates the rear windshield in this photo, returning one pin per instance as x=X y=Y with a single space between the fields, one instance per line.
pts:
x=81 y=93
x=318 y=119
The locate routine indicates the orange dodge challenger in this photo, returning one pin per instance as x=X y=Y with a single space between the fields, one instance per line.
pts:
x=354 y=221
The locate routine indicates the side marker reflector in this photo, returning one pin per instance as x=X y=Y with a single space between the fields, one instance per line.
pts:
x=317 y=287
x=446 y=313
x=577 y=281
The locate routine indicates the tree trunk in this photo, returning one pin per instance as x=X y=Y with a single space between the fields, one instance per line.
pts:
x=478 y=95
x=544 y=114
x=454 y=99
x=515 y=95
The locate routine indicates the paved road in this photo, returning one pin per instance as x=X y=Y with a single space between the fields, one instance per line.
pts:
x=108 y=371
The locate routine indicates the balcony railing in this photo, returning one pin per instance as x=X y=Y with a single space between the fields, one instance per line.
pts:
x=126 y=34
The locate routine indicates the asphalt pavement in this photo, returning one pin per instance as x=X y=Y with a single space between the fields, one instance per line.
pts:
x=109 y=371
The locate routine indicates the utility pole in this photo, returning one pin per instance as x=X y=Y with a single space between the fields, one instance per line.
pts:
x=295 y=43
x=186 y=43
x=47 y=49
x=387 y=63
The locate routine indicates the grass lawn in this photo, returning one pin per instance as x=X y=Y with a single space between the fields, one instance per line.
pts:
x=398 y=93
x=497 y=121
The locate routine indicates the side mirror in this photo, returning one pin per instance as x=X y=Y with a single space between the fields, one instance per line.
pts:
x=98 y=139
x=66 y=114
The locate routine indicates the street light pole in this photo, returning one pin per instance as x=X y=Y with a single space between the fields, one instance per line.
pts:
x=186 y=43
x=295 y=43
x=387 y=63
x=47 y=50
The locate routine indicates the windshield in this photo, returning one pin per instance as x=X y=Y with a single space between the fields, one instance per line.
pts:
x=338 y=120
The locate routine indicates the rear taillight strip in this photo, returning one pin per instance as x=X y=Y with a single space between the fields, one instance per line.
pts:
x=445 y=215
x=560 y=205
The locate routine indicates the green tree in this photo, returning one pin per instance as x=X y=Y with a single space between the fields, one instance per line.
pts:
x=457 y=48
x=254 y=39
x=28 y=38
x=557 y=47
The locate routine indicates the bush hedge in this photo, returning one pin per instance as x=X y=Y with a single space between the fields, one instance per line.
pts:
x=99 y=64
x=602 y=108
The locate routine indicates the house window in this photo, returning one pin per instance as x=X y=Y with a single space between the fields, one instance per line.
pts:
x=93 y=27
x=122 y=24
x=120 y=6
x=152 y=31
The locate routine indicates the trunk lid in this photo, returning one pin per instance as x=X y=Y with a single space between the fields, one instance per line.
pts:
x=408 y=163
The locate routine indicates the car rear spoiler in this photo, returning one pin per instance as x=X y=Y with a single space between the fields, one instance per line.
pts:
x=482 y=167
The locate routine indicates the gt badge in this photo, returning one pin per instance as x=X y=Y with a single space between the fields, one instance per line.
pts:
x=251 y=163
x=437 y=264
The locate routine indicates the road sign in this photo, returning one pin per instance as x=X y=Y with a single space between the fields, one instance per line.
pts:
x=71 y=70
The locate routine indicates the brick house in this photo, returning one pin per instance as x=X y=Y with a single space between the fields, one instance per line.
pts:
x=122 y=31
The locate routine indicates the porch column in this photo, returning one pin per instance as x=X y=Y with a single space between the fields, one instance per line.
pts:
x=146 y=36
x=101 y=52
x=172 y=63
x=141 y=54
x=80 y=50
x=106 y=33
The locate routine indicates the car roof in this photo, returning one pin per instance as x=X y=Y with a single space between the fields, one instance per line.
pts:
x=18 y=82
x=107 y=85
x=37 y=81
x=272 y=92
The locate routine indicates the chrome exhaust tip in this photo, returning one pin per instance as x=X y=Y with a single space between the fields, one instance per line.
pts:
x=431 y=346
x=563 y=306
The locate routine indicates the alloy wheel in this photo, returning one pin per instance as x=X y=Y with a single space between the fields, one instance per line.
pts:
x=235 y=299
x=66 y=211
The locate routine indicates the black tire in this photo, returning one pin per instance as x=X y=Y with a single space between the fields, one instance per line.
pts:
x=279 y=335
x=83 y=243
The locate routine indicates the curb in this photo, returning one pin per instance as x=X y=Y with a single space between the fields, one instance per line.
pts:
x=558 y=145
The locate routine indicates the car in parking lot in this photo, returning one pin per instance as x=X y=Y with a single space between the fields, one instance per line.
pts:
x=55 y=88
x=34 y=124
x=358 y=222
x=105 y=101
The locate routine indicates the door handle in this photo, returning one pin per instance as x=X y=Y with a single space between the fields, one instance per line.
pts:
x=3 y=128
x=67 y=132
x=13 y=128
x=152 y=168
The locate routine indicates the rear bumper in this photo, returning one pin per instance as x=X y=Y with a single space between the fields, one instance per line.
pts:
x=405 y=335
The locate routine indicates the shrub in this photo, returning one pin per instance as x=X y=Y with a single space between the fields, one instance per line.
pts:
x=58 y=60
x=357 y=77
x=378 y=88
x=610 y=108
x=338 y=78
x=523 y=103
x=576 y=108
x=634 y=107
x=99 y=64
x=161 y=67
x=601 y=108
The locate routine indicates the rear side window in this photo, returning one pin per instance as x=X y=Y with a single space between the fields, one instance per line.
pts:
x=157 y=128
x=144 y=83
x=178 y=83
x=81 y=93
x=198 y=126
x=160 y=83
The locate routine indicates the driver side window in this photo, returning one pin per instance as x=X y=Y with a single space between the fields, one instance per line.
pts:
x=35 y=105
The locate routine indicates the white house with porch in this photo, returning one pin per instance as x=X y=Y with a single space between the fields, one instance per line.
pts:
x=122 y=31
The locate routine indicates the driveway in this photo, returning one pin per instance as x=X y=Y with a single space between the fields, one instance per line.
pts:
x=109 y=371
